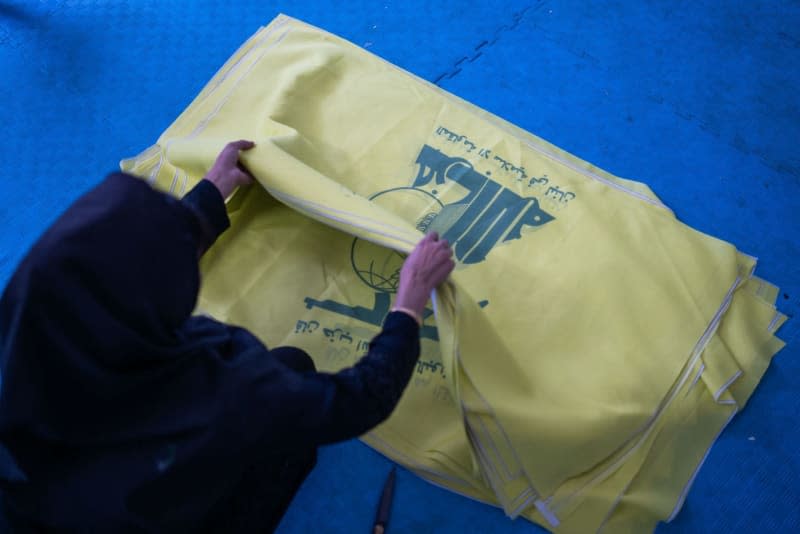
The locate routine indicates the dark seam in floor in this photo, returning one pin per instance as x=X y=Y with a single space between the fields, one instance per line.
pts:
x=486 y=43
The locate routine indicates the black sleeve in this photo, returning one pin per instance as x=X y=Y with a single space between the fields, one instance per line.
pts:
x=208 y=207
x=319 y=408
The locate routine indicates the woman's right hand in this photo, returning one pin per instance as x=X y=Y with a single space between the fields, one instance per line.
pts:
x=426 y=267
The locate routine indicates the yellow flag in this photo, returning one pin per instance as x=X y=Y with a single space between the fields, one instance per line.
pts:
x=587 y=350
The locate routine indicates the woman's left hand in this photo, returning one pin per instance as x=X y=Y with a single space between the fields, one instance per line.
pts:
x=428 y=265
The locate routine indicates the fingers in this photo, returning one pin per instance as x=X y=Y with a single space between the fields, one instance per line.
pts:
x=432 y=260
x=428 y=265
x=431 y=244
x=244 y=171
x=242 y=178
x=441 y=268
x=443 y=260
x=230 y=154
x=430 y=240
x=241 y=145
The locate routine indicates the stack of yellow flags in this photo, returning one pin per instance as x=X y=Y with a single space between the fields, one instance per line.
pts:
x=589 y=347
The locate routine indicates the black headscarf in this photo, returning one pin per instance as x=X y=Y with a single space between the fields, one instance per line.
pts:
x=98 y=314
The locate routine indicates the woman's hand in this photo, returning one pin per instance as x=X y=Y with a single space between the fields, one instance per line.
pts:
x=227 y=173
x=426 y=267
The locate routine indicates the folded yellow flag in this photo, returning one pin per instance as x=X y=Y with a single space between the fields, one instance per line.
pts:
x=589 y=347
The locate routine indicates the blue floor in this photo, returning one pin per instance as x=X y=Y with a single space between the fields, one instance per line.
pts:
x=699 y=99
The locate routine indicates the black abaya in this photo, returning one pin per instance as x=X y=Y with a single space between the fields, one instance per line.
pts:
x=119 y=411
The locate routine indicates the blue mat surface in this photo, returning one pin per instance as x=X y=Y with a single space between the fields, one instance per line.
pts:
x=700 y=100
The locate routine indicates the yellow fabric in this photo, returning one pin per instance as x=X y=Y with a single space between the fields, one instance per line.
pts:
x=588 y=348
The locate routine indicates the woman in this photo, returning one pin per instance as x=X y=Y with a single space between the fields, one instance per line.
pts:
x=121 y=412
